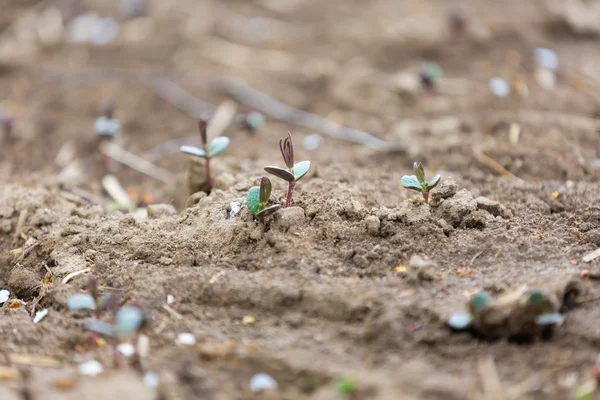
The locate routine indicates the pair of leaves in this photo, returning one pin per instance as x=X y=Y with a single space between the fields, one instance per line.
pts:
x=412 y=182
x=127 y=322
x=290 y=175
x=217 y=145
x=253 y=201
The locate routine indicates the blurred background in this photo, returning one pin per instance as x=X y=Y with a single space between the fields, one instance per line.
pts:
x=468 y=86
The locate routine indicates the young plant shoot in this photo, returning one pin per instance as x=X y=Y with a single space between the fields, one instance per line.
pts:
x=258 y=200
x=208 y=151
x=417 y=181
x=293 y=172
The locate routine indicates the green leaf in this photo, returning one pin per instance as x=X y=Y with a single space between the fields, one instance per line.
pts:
x=265 y=191
x=586 y=390
x=347 y=386
x=95 y=325
x=217 y=145
x=81 y=302
x=433 y=70
x=194 y=151
x=300 y=169
x=253 y=199
x=411 y=182
x=128 y=321
x=536 y=297
x=548 y=319
x=459 y=320
x=433 y=182
x=281 y=173
x=419 y=171
x=265 y=212
x=255 y=120
x=479 y=302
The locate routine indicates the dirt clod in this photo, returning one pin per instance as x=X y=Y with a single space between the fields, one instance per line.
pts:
x=454 y=208
x=286 y=218
x=161 y=210
x=493 y=207
x=421 y=268
x=372 y=224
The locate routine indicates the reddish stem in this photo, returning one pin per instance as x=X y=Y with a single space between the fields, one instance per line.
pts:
x=208 y=175
x=290 y=193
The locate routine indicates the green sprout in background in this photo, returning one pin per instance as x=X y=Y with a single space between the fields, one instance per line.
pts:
x=417 y=181
x=258 y=200
x=294 y=172
x=208 y=151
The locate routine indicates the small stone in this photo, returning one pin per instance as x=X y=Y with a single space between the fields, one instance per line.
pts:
x=499 y=87
x=224 y=181
x=286 y=218
x=151 y=379
x=312 y=142
x=127 y=349
x=40 y=315
x=4 y=295
x=91 y=368
x=422 y=268
x=260 y=382
x=372 y=223
x=161 y=210
x=493 y=207
x=185 y=339
x=545 y=58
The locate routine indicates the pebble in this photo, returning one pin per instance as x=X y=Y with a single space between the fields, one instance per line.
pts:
x=127 y=349
x=234 y=209
x=499 y=87
x=40 y=315
x=312 y=142
x=262 y=381
x=93 y=29
x=91 y=368
x=151 y=379
x=4 y=295
x=545 y=58
x=186 y=339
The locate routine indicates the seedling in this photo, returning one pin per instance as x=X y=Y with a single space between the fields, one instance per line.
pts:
x=430 y=75
x=258 y=200
x=478 y=303
x=207 y=151
x=294 y=172
x=417 y=181
x=254 y=121
x=347 y=387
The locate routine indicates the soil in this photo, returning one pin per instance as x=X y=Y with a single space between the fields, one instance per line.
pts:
x=333 y=284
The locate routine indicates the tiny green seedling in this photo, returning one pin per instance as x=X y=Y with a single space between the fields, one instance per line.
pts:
x=417 y=181
x=347 y=387
x=462 y=320
x=207 y=151
x=258 y=200
x=294 y=171
x=430 y=75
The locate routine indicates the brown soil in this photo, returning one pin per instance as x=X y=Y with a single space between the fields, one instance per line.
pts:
x=322 y=282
